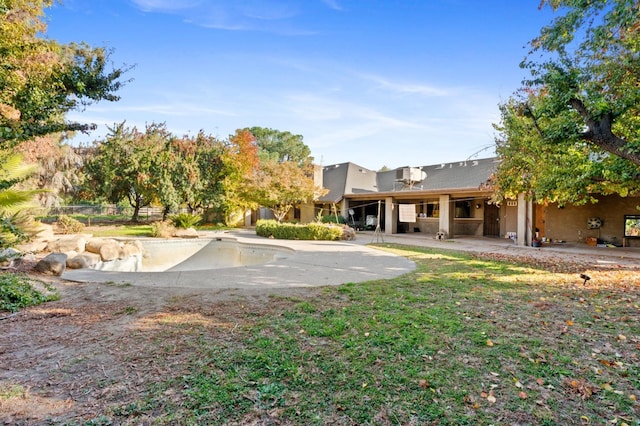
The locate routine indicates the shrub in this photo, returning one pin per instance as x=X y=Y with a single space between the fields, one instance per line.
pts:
x=17 y=291
x=331 y=218
x=69 y=225
x=289 y=231
x=162 y=229
x=185 y=220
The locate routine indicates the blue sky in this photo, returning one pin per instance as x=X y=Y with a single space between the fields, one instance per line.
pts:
x=375 y=82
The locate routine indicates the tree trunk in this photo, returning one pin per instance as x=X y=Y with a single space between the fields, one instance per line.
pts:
x=136 y=203
x=600 y=133
x=136 y=213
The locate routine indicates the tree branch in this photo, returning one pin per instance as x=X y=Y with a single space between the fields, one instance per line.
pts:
x=600 y=133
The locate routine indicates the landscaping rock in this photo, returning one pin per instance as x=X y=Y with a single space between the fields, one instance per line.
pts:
x=32 y=246
x=10 y=253
x=10 y=258
x=94 y=244
x=129 y=249
x=84 y=260
x=348 y=234
x=75 y=243
x=186 y=233
x=53 y=264
x=110 y=250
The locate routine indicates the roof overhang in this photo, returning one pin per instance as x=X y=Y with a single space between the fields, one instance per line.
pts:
x=421 y=193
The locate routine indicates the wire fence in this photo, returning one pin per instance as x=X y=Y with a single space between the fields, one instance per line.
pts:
x=95 y=213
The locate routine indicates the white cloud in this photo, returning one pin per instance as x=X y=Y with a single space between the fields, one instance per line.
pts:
x=333 y=4
x=275 y=16
x=166 y=5
x=406 y=88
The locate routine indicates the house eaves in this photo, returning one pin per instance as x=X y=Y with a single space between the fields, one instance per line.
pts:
x=421 y=194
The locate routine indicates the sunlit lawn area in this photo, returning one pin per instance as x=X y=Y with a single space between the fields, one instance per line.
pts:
x=461 y=340
x=132 y=230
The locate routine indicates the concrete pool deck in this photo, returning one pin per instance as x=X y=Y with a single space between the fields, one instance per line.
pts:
x=313 y=263
x=320 y=263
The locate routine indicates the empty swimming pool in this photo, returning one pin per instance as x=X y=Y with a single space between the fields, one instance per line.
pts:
x=196 y=255
x=285 y=264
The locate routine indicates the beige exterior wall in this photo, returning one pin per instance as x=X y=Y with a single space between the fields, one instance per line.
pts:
x=570 y=222
x=307 y=213
x=509 y=217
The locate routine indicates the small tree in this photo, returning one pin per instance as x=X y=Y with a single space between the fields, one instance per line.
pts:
x=241 y=163
x=280 y=186
x=130 y=165
x=199 y=171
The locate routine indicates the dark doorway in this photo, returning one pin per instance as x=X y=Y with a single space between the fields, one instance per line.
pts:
x=491 y=227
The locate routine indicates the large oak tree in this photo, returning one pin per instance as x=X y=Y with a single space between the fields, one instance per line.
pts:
x=573 y=131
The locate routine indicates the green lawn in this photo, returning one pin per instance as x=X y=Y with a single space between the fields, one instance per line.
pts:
x=461 y=341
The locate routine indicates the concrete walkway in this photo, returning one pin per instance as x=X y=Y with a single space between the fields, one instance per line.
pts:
x=320 y=263
x=628 y=256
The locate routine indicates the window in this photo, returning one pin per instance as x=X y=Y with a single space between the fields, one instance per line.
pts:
x=463 y=209
x=433 y=209
x=632 y=226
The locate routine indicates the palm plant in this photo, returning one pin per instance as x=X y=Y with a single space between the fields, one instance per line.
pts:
x=15 y=223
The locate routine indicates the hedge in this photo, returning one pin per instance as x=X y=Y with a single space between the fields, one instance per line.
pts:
x=289 y=231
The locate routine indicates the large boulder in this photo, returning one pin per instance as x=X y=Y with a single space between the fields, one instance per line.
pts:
x=128 y=249
x=84 y=260
x=93 y=244
x=75 y=243
x=35 y=246
x=52 y=264
x=110 y=250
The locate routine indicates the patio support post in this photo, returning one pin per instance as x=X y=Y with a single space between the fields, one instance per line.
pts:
x=390 y=220
x=525 y=221
x=447 y=214
x=344 y=209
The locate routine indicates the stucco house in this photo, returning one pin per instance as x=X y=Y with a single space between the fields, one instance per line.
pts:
x=453 y=199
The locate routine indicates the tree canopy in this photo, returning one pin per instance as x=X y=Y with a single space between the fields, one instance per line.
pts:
x=276 y=145
x=280 y=186
x=41 y=80
x=573 y=130
x=130 y=165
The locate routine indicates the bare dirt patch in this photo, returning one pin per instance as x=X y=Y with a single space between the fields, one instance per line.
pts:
x=103 y=345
